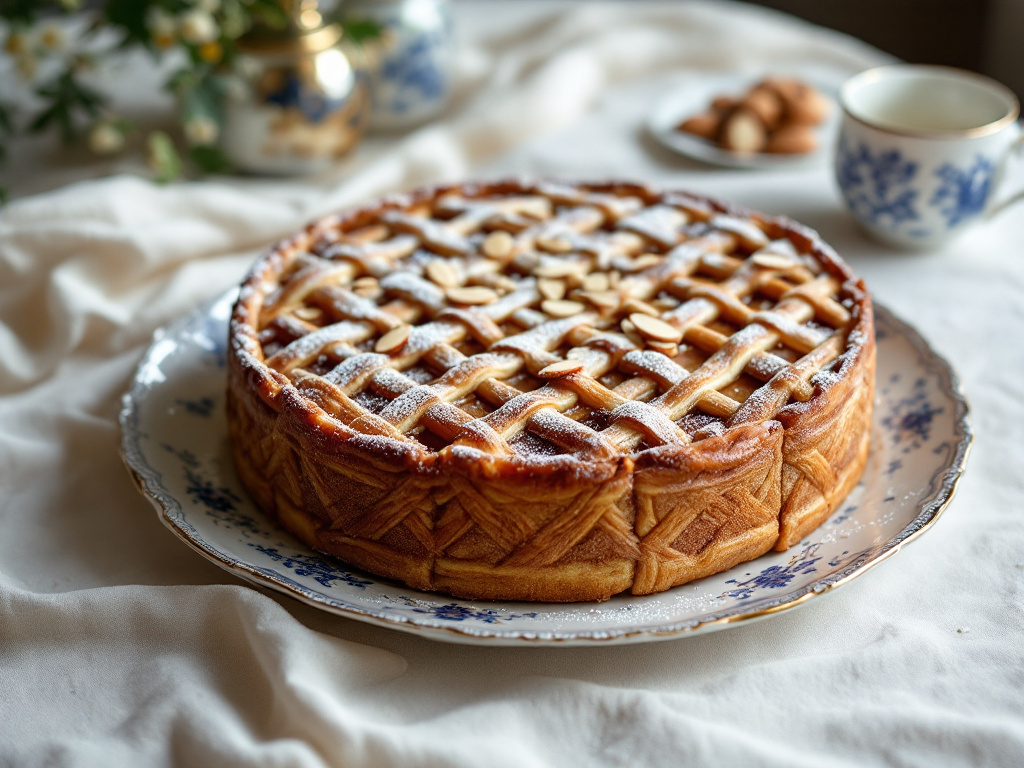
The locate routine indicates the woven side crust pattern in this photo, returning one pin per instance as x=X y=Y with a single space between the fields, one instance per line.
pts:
x=642 y=529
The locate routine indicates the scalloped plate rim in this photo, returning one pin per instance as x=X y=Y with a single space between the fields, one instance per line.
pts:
x=172 y=515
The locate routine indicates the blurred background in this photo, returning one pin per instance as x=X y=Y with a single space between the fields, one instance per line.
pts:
x=166 y=83
x=981 y=35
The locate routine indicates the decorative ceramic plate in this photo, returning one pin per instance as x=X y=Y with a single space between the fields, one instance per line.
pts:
x=175 y=444
x=694 y=96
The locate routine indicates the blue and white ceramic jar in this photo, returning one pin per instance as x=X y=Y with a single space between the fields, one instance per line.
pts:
x=410 y=62
x=296 y=100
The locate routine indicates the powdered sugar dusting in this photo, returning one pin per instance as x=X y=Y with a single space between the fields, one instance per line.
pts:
x=436 y=236
x=659 y=223
x=766 y=365
x=423 y=338
x=811 y=337
x=536 y=342
x=300 y=351
x=856 y=339
x=780 y=247
x=416 y=289
x=750 y=234
x=660 y=258
x=648 y=418
x=825 y=379
x=656 y=364
x=409 y=405
x=356 y=369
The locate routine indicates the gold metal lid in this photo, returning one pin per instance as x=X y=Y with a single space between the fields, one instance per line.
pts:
x=305 y=32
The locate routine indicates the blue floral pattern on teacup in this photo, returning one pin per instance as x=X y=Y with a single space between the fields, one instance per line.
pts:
x=877 y=187
x=886 y=189
x=963 y=193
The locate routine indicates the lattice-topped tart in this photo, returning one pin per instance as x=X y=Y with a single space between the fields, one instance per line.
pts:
x=543 y=391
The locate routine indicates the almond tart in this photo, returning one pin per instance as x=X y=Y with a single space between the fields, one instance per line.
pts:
x=550 y=391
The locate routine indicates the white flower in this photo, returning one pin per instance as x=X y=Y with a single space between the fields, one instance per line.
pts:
x=83 y=62
x=247 y=67
x=27 y=64
x=234 y=25
x=162 y=27
x=18 y=43
x=210 y=6
x=106 y=138
x=201 y=130
x=51 y=38
x=198 y=27
x=235 y=88
x=159 y=21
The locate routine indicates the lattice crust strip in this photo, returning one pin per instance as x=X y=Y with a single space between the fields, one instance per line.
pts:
x=566 y=286
x=573 y=328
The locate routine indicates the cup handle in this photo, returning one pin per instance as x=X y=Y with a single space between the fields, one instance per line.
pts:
x=1014 y=149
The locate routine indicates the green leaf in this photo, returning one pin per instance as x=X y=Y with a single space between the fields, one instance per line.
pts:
x=123 y=124
x=270 y=14
x=67 y=98
x=20 y=11
x=360 y=30
x=163 y=157
x=130 y=17
x=181 y=81
x=85 y=97
x=202 y=98
x=55 y=113
x=210 y=159
x=235 y=21
x=6 y=121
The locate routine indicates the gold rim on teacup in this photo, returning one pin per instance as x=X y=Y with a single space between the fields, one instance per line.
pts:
x=877 y=74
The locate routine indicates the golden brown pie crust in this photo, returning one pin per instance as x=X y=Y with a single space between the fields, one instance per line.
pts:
x=629 y=390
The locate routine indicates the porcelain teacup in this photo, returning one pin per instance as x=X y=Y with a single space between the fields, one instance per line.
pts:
x=922 y=151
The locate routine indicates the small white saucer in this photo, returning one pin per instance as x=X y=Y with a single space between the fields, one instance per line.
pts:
x=694 y=96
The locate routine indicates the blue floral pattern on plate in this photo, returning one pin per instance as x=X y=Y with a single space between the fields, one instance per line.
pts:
x=456 y=612
x=180 y=457
x=776 y=576
x=316 y=567
x=909 y=421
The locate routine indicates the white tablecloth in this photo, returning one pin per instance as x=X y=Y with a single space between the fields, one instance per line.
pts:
x=120 y=646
